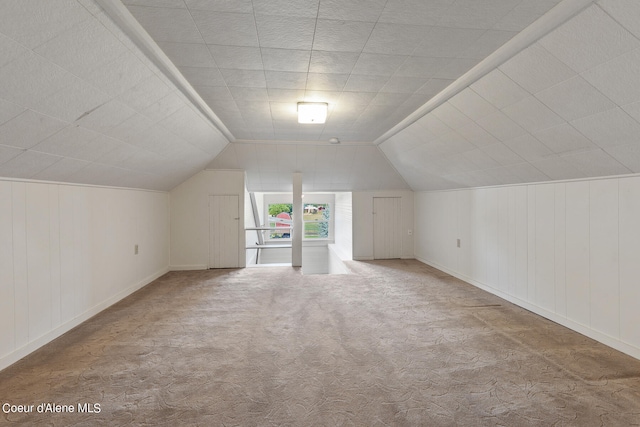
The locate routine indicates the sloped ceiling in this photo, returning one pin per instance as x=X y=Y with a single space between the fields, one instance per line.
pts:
x=80 y=103
x=566 y=107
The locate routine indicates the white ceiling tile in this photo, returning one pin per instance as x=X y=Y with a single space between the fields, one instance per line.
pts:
x=532 y=115
x=106 y=116
x=472 y=14
x=44 y=79
x=633 y=110
x=188 y=54
x=225 y=28
x=176 y=4
x=383 y=98
x=305 y=157
x=519 y=18
x=526 y=172
x=164 y=107
x=486 y=44
x=499 y=89
x=341 y=36
x=535 y=69
x=416 y=12
x=285 y=32
x=302 y=8
x=10 y=50
x=285 y=80
x=72 y=141
x=244 y=78
x=352 y=10
x=145 y=93
x=595 y=163
x=628 y=155
x=97 y=44
x=502 y=154
x=472 y=104
x=451 y=116
x=378 y=64
x=8 y=153
x=476 y=135
x=167 y=24
x=609 y=128
x=575 y=98
x=455 y=68
x=618 y=78
x=558 y=168
x=62 y=170
x=564 y=138
x=28 y=129
x=529 y=148
x=480 y=159
x=284 y=95
x=395 y=39
x=580 y=47
x=27 y=164
x=434 y=125
x=203 y=76
x=335 y=62
x=9 y=110
x=238 y=57
x=119 y=75
x=239 y=6
x=407 y=85
x=434 y=86
x=361 y=83
x=285 y=59
x=421 y=66
x=330 y=97
x=72 y=102
x=625 y=12
x=32 y=23
x=446 y=42
x=326 y=82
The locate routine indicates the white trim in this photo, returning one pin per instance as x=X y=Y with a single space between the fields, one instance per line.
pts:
x=32 y=346
x=188 y=267
x=568 y=323
x=75 y=184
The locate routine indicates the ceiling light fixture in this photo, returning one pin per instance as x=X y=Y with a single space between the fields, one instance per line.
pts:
x=334 y=140
x=312 y=112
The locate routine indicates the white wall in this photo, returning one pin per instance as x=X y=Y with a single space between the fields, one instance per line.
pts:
x=190 y=217
x=343 y=214
x=59 y=244
x=567 y=250
x=362 y=203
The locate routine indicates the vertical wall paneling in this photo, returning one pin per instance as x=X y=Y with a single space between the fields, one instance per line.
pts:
x=54 y=254
x=511 y=243
x=629 y=260
x=522 y=246
x=20 y=271
x=603 y=231
x=493 y=251
x=7 y=292
x=531 y=243
x=478 y=233
x=545 y=246
x=38 y=261
x=82 y=268
x=464 y=232
x=67 y=253
x=560 y=251
x=577 y=251
x=503 y=239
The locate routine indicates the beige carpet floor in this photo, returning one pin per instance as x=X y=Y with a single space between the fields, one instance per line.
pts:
x=395 y=343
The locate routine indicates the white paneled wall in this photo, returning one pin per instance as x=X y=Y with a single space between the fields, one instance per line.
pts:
x=58 y=248
x=565 y=250
x=343 y=213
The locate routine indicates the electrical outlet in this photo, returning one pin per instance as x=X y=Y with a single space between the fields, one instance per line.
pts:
x=458 y=242
x=135 y=250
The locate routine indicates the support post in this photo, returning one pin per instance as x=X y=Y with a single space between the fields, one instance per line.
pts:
x=298 y=229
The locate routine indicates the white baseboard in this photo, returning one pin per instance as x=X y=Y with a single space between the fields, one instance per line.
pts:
x=188 y=267
x=30 y=347
x=564 y=321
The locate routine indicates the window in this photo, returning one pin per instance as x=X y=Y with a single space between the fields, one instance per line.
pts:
x=316 y=216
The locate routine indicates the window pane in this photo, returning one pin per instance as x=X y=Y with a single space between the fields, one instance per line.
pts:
x=316 y=230
x=280 y=215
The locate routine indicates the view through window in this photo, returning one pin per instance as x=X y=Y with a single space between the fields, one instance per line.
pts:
x=316 y=217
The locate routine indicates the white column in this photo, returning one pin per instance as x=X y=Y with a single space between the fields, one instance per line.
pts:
x=296 y=235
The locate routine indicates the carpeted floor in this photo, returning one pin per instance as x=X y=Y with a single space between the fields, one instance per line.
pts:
x=396 y=343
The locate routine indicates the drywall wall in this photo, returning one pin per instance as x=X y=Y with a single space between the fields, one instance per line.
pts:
x=190 y=217
x=59 y=244
x=566 y=250
x=362 y=204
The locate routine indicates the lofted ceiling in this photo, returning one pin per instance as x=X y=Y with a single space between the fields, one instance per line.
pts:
x=423 y=94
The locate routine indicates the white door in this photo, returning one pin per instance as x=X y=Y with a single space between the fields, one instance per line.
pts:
x=223 y=231
x=387 y=228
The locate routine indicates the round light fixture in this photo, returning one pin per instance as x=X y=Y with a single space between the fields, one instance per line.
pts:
x=334 y=140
